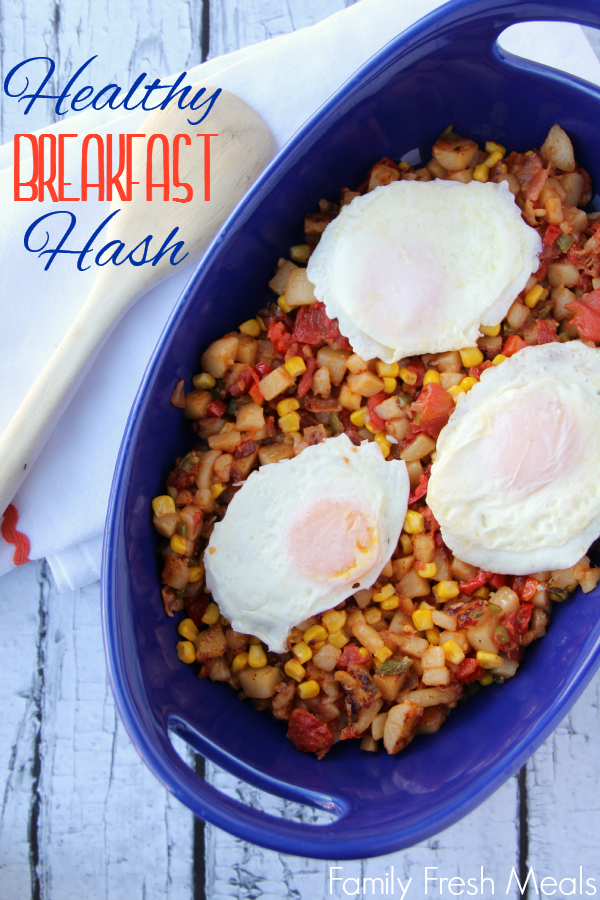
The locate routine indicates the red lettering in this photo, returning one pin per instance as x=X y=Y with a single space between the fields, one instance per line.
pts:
x=207 y=138
x=110 y=178
x=85 y=184
x=32 y=183
x=62 y=184
x=42 y=180
x=164 y=184
x=130 y=138
x=189 y=191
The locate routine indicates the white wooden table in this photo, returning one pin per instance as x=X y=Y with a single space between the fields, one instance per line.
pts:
x=81 y=817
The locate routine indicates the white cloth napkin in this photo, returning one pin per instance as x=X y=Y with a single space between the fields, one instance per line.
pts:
x=62 y=504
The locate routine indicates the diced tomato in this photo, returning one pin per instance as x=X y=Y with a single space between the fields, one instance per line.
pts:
x=546 y=335
x=282 y=339
x=550 y=235
x=431 y=523
x=262 y=369
x=469 y=587
x=497 y=581
x=513 y=344
x=420 y=490
x=374 y=420
x=216 y=408
x=245 y=448
x=197 y=608
x=475 y=371
x=244 y=382
x=351 y=656
x=468 y=670
x=417 y=366
x=305 y=383
x=512 y=649
x=256 y=394
x=308 y=734
x=525 y=586
x=523 y=617
x=439 y=540
x=313 y=325
x=434 y=406
x=587 y=316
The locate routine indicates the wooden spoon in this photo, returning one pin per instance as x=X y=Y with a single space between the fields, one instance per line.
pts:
x=240 y=152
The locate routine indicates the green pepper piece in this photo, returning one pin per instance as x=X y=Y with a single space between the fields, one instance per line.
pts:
x=182 y=530
x=563 y=337
x=558 y=594
x=499 y=679
x=335 y=423
x=404 y=399
x=564 y=241
x=501 y=635
x=477 y=614
x=449 y=135
x=188 y=462
x=545 y=311
x=395 y=666
x=494 y=608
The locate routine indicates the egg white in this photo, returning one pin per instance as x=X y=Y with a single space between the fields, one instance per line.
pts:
x=251 y=571
x=515 y=484
x=417 y=267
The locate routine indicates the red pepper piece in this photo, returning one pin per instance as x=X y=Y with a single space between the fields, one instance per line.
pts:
x=262 y=369
x=546 y=335
x=475 y=371
x=417 y=366
x=513 y=344
x=468 y=670
x=469 y=587
x=550 y=235
x=512 y=649
x=497 y=581
x=525 y=586
x=256 y=394
x=308 y=734
x=305 y=383
x=244 y=382
x=216 y=408
x=282 y=339
x=351 y=656
x=376 y=421
x=420 y=490
x=523 y=617
x=313 y=325
x=434 y=406
x=197 y=608
x=587 y=315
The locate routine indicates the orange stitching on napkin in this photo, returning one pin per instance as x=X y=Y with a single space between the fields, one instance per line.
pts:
x=12 y=536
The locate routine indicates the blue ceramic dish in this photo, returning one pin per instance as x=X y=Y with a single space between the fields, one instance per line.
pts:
x=447 y=68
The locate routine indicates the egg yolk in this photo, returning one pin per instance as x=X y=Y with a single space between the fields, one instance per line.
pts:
x=333 y=539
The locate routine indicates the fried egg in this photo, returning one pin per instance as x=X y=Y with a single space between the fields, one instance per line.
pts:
x=417 y=267
x=304 y=534
x=515 y=484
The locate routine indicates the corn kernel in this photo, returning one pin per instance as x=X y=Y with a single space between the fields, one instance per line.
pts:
x=315 y=633
x=483 y=592
x=390 y=603
x=490 y=330
x=334 y=620
x=263 y=327
x=532 y=296
x=406 y=544
x=338 y=639
x=319 y=644
x=467 y=383
x=402 y=165
x=488 y=660
x=302 y=652
x=294 y=670
x=370 y=428
x=481 y=173
x=422 y=619
x=163 y=506
x=250 y=327
x=204 y=381
x=253 y=639
x=227 y=427
x=455 y=390
x=389 y=385
x=431 y=377
x=178 y=544
x=239 y=662
x=188 y=630
x=257 y=658
x=289 y=423
x=493 y=158
x=384 y=444
x=407 y=375
x=196 y=573
x=358 y=417
x=493 y=147
x=283 y=304
x=500 y=358
x=414 y=522
x=471 y=356
x=186 y=652
x=217 y=489
x=295 y=366
x=487 y=679
x=287 y=406
x=447 y=590
x=429 y=570
x=308 y=689
x=362 y=651
x=386 y=591
x=452 y=652
x=433 y=636
x=383 y=654
x=212 y=614
x=387 y=370
x=372 y=615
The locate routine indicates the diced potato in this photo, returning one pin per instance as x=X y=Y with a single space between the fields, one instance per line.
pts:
x=433 y=719
x=443 y=621
x=220 y=356
x=516 y=315
x=365 y=634
x=401 y=623
x=326 y=658
x=557 y=148
x=196 y=402
x=422 y=446
x=241 y=468
x=166 y=525
x=455 y=155
x=410 y=643
x=222 y=468
x=247 y=349
x=400 y=726
x=377 y=725
x=279 y=281
x=348 y=399
x=433 y=658
x=357 y=364
x=447 y=362
x=363 y=598
x=273 y=453
x=299 y=290
x=335 y=361
x=275 y=383
x=459 y=637
x=554 y=210
x=389 y=409
x=226 y=442
x=576 y=218
x=465 y=176
x=552 y=188
x=205 y=469
x=563 y=273
x=236 y=641
x=512 y=181
x=397 y=428
x=211 y=643
x=249 y=417
x=450 y=379
x=423 y=547
x=433 y=696
x=573 y=185
x=322 y=382
x=382 y=174
x=389 y=685
x=507 y=669
x=436 y=676
x=402 y=566
x=367 y=384
x=265 y=351
x=259 y=683
x=219 y=670
x=205 y=500
x=506 y=599
x=480 y=634
x=437 y=170
x=415 y=470
x=462 y=571
x=442 y=565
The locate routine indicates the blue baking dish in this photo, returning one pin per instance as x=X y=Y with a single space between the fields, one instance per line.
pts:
x=446 y=68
